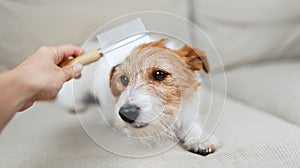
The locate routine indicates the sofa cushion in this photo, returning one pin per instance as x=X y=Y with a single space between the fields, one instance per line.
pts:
x=273 y=87
x=29 y=24
x=250 y=31
x=47 y=136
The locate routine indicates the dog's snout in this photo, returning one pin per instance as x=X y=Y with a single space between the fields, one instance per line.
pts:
x=129 y=113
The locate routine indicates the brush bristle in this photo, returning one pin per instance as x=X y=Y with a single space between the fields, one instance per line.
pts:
x=119 y=33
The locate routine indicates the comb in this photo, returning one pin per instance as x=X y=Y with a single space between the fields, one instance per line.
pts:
x=110 y=40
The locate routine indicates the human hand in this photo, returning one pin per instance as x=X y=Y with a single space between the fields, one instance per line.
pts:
x=42 y=76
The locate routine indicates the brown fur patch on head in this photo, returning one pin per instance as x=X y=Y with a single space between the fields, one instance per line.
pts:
x=116 y=86
x=168 y=89
x=180 y=64
x=159 y=44
x=194 y=57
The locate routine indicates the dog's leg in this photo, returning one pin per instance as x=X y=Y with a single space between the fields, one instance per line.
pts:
x=192 y=141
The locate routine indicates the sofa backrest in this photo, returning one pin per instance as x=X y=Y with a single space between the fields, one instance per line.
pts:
x=29 y=24
x=247 y=31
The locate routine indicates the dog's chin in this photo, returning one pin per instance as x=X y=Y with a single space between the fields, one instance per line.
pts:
x=129 y=128
x=139 y=125
x=138 y=129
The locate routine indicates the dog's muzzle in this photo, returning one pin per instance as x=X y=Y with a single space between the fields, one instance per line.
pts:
x=129 y=113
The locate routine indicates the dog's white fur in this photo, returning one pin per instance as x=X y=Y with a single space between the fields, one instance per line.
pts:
x=157 y=119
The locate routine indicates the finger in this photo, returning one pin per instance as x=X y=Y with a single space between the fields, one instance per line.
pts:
x=71 y=71
x=64 y=51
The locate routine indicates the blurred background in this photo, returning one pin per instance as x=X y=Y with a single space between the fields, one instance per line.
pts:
x=246 y=34
x=258 y=42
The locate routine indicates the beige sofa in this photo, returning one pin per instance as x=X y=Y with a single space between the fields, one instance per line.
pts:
x=258 y=41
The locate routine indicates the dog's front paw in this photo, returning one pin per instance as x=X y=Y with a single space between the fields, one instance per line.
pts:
x=202 y=148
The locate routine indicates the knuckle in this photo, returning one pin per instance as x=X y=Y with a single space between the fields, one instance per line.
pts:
x=69 y=45
x=44 y=48
x=53 y=94
x=67 y=74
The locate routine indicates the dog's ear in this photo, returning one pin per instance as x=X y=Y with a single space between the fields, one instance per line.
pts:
x=195 y=58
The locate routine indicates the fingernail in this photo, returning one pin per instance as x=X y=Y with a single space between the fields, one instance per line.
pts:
x=77 y=69
x=82 y=51
x=77 y=76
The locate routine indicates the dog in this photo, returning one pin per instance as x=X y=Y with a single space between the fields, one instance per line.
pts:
x=156 y=95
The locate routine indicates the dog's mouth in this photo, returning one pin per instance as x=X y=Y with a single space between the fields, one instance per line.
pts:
x=137 y=117
x=139 y=125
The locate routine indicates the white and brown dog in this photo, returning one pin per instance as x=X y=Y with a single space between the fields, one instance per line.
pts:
x=156 y=93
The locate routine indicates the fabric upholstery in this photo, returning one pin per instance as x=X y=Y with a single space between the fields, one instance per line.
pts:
x=47 y=136
x=273 y=87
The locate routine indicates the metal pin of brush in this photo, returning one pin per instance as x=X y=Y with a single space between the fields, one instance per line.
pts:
x=111 y=40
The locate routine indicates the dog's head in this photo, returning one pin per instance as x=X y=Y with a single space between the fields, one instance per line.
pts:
x=150 y=85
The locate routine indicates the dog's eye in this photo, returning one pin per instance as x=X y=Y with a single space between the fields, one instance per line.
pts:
x=124 y=80
x=159 y=75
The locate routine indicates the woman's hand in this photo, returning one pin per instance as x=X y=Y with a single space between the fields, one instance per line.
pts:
x=42 y=73
x=38 y=78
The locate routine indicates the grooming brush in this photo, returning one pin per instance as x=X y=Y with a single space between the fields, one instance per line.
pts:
x=111 y=40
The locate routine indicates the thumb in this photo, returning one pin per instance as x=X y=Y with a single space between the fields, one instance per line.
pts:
x=72 y=71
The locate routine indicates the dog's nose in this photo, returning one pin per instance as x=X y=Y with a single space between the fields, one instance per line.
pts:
x=129 y=113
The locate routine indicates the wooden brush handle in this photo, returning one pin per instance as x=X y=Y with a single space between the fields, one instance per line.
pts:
x=83 y=59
